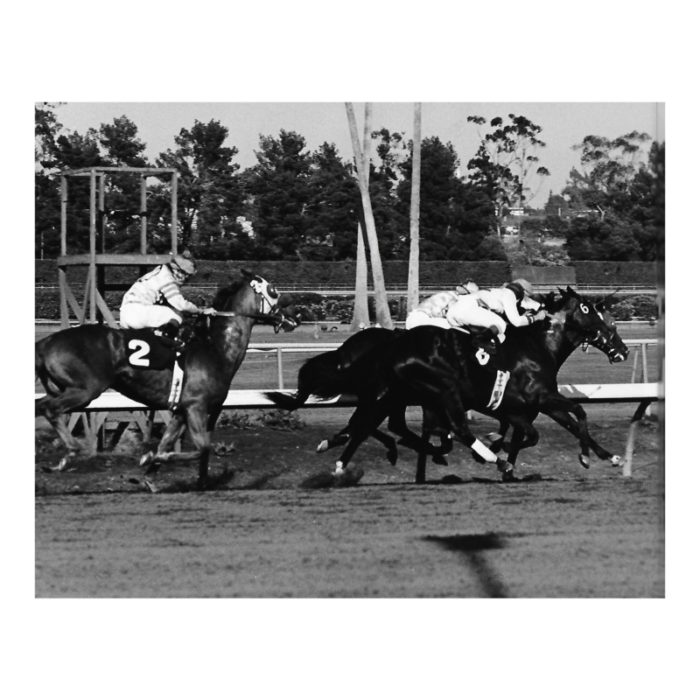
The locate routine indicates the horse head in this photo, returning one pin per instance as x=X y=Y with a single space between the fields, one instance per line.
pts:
x=276 y=307
x=594 y=324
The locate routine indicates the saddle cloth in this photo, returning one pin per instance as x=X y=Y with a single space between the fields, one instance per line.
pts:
x=146 y=350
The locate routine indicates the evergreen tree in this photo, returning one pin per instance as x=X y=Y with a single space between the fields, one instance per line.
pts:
x=280 y=187
x=209 y=193
x=455 y=216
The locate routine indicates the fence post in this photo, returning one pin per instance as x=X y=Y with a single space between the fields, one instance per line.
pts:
x=280 y=376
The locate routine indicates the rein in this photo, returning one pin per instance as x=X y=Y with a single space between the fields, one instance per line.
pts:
x=257 y=316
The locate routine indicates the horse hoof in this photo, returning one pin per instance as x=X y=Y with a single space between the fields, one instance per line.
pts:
x=322 y=446
x=439 y=459
x=615 y=460
x=349 y=477
x=585 y=462
x=508 y=475
x=392 y=456
x=495 y=440
x=146 y=459
x=63 y=464
x=151 y=486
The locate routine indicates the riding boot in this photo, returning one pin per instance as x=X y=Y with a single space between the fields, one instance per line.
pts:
x=487 y=339
x=169 y=334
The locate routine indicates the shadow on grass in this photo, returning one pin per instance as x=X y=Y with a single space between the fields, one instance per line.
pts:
x=473 y=548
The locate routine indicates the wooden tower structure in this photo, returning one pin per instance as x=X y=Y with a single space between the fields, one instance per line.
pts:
x=94 y=308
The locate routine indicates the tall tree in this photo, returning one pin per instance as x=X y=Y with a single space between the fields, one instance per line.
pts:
x=332 y=211
x=121 y=147
x=381 y=303
x=614 y=192
x=47 y=202
x=414 y=251
x=209 y=196
x=610 y=164
x=506 y=164
x=455 y=217
x=280 y=187
x=360 y=313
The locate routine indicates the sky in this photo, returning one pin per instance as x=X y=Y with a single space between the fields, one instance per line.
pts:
x=563 y=125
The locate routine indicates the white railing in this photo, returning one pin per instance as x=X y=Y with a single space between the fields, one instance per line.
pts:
x=96 y=413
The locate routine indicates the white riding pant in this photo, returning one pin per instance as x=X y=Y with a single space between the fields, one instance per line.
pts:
x=418 y=317
x=137 y=316
x=469 y=313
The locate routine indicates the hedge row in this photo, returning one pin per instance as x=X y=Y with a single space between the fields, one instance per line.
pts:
x=342 y=274
x=316 y=307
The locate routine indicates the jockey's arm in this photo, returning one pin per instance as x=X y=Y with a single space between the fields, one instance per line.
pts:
x=510 y=308
x=175 y=299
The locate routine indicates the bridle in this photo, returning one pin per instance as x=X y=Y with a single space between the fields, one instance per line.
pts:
x=269 y=298
x=600 y=339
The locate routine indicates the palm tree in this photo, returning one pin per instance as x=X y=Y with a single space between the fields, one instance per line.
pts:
x=413 y=271
x=381 y=304
x=360 y=314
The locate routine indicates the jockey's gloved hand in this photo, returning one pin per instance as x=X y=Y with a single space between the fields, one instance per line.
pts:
x=539 y=316
x=208 y=311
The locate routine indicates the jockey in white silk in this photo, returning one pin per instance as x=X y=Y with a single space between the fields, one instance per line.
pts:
x=432 y=311
x=496 y=308
x=155 y=300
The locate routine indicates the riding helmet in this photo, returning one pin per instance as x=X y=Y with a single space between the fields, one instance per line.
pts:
x=468 y=287
x=521 y=288
x=185 y=263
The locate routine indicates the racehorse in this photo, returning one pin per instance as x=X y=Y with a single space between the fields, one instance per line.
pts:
x=440 y=371
x=76 y=365
x=322 y=372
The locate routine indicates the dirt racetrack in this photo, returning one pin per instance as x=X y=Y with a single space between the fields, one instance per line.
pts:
x=561 y=531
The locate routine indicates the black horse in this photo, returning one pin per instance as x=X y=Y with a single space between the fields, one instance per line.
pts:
x=440 y=371
x=325 y=374
x=76 y=365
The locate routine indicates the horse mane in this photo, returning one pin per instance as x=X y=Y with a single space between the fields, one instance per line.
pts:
x=223 y=294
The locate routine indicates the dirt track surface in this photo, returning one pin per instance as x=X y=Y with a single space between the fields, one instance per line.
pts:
x=560 y=532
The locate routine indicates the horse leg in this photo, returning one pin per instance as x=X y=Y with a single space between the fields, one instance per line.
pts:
x=436 y=426
x=558 y=409
x=497 y=440
x=196 y=420
x=524 y=435
x=456 y=415
x=53 y=409
x=173 y=431
x=392 y=453
x=342 y=437
x=418 y=443
x=364 y=420
x=422 y=454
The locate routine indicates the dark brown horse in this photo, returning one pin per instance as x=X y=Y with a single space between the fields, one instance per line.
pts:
x=440 y=371
x=76 y=365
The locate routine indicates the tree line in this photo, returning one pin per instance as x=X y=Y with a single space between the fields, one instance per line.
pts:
x=298 y=204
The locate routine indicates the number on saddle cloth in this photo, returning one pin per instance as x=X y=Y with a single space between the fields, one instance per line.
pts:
x=147 y=350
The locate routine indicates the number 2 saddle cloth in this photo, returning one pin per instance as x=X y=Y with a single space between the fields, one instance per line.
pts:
x=146 y=348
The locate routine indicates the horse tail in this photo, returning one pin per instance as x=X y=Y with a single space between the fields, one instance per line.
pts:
x=323 y=376
x=319 y=376
x=285 y=401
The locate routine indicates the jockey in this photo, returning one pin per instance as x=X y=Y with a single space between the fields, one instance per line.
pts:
x=496 y=308
x=432 y=311
x=155 y=300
